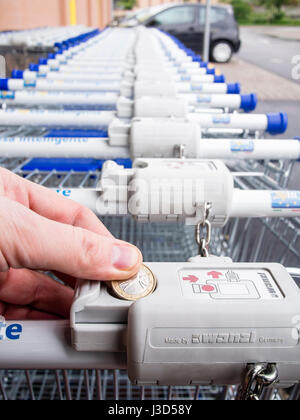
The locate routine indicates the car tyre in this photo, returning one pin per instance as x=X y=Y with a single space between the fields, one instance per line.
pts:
x=221 y=52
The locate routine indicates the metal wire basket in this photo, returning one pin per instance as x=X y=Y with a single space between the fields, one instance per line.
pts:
x=92 y=384
x=242 y=240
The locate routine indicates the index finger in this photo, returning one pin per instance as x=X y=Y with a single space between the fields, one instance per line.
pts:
x=49 y=204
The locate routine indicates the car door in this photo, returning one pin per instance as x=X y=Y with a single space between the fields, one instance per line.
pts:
x=179 y=21
x=219 y=25
x=199 y=29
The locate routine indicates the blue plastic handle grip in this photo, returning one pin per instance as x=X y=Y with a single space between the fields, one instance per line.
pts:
x=17 y=74
x=77 y=133
x=234 y=88
x=75 y=164
x=43 y=61
x=34 y=67
x=220 y=78
x=277 y=123
x=248 y=102
x=210 y=71
x=4 y=84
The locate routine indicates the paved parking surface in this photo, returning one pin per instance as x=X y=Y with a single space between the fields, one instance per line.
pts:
x=293 y=110
x=263 y=66
x=253 y=78
x=271 y=48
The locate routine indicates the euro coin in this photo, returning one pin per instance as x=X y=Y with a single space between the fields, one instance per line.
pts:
x=137 y=287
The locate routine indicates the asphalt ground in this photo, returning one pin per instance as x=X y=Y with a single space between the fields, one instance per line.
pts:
x=273 y=49
x=263 y=66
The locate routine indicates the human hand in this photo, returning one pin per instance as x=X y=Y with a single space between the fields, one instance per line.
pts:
x=42 y=231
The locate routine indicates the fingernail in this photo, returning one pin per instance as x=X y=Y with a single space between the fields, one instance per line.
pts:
x=124 y=257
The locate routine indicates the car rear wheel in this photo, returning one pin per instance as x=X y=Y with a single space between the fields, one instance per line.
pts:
x=221 y=52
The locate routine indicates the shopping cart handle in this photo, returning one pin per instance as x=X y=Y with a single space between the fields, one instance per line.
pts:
x=248 y=102
x=277 y=123
x=58 y=45
x=4 y=84
x=220 y=78
x=43 y=61
x=297 y=138
x=33 y=67
x=77 y=133
x=234 y=88
x=211 y=71
x=17 y=74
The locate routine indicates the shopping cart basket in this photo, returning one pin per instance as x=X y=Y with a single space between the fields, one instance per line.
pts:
x=242 y=240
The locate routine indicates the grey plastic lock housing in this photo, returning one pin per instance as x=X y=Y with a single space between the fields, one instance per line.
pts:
x=206 y=331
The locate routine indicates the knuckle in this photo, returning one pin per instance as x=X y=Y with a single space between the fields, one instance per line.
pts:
x=88 y=249
x=81 y=212
x=17 y=241
x=3 y=264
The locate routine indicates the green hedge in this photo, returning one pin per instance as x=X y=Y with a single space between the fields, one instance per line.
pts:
x=242 y=10
x=245 y=15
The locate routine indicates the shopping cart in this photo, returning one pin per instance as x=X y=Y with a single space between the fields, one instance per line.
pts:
x=20 y=48
x=242 y=240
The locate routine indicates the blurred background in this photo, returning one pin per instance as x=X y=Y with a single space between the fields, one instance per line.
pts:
x=26 y=14
x=263 y=35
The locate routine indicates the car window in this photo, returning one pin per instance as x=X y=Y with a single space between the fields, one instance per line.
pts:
x=217 y=14
x=175 y=16
x=145 y=14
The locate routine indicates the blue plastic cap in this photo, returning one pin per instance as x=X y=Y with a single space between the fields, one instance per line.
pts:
x=220 y=78
x=65 y=46
x=34 y=67
x=4 y=84
x=197 y=59
x=210 y=71
x=191 y=53
x=277 y=123
x=43 y=61
x=17 y=74
x=233 y=88
x=248 y=102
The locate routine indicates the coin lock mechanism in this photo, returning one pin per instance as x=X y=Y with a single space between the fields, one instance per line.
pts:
x=167 y=190
x=139 y=286
x=206 y=322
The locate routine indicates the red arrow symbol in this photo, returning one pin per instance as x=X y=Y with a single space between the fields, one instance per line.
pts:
x=215 y=274
x=191 y=279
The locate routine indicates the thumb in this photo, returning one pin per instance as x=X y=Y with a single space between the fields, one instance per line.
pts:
x=29 y=240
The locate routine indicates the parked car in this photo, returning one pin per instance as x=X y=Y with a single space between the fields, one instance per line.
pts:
x=187 y=23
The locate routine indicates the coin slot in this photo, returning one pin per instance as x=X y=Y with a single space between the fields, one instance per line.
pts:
x=139 y=286
x=112 y=293
x=141 y=164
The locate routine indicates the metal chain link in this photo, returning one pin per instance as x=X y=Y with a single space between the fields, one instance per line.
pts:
x=258 y=377
x=204 y=241
x=179 y=150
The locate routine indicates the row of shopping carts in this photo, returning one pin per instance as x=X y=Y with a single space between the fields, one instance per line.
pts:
x=129 y=114
x=19 y=48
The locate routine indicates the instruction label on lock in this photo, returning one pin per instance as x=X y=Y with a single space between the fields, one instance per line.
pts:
x=228 y=284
